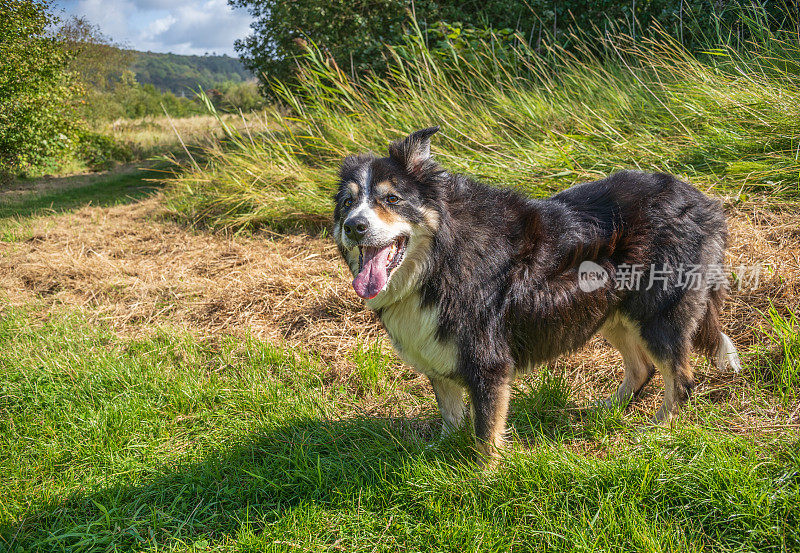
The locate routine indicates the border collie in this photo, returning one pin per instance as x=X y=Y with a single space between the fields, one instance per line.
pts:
x=474 y=283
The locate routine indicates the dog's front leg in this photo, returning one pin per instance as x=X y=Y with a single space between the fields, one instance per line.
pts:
x=450 y=398
x=489 y=394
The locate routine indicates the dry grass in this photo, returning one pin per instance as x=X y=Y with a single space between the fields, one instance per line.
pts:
x=149 y=135
x=135 y=269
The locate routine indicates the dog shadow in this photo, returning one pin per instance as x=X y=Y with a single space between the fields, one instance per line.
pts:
x=267 y=474
x=544 y=411
x=270 y=472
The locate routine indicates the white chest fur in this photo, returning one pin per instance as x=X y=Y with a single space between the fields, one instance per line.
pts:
x=412 y=329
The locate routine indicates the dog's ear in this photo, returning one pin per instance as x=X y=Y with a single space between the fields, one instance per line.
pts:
x=348 y=165
x=414 y=150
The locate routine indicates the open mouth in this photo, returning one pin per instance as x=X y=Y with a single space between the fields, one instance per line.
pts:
x=375 y=266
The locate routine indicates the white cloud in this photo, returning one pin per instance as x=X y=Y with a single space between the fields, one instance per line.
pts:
x=211 y=26
x=157 y=27
x=180 y=26
x=111 y=15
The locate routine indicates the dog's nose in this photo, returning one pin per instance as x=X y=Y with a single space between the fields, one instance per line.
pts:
x=356 y=228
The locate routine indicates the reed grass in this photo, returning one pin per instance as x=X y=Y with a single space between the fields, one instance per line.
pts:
x=728 y=119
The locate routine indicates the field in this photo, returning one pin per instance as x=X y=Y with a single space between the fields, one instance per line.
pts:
x=184 y=367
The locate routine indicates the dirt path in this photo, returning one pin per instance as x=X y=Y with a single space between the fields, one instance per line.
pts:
x=135 y=268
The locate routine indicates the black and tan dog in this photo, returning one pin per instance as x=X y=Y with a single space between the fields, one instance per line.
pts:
x=475 y=283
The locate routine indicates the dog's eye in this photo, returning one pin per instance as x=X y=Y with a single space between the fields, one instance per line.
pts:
x=392 y=199
x=348 y=202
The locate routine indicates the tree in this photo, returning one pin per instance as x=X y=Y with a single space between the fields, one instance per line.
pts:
x=354 y=33
x=341 y=27
x=96 y=59
x=35 y=86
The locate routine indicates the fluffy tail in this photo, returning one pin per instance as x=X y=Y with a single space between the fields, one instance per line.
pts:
x=726 y=354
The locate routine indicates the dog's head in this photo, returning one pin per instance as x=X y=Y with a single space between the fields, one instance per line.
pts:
x=385 y=216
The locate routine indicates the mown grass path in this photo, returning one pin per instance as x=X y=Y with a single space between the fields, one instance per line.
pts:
x=167 y=389
x=24 y=200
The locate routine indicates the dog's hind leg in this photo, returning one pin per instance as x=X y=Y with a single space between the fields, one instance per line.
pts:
x=639 y=369
x=450 y=398
x=669 y=347
x=489 y=403
x=638 y=372
x=678 y=385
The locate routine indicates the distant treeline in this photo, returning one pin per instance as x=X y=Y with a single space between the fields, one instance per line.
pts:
x=116 y=82
x=182 y=74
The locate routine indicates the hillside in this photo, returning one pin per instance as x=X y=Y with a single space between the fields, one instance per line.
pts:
x=176 y=73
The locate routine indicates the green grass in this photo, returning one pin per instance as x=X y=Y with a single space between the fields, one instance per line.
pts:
x=778 y=366
x=17 y=213
x=170 y=443
x=728 y=119
x=374 y=366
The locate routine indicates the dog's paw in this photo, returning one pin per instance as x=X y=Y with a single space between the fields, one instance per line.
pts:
x=434 y=445
x=600 y=405
x=444 y=436
x=651 y=427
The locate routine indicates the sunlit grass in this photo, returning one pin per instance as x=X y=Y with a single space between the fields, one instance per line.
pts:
x=169 y=442
x=34 y=199
x=727 y=119
x=156 y=136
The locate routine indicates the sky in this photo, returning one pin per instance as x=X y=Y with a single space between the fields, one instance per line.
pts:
x=177 y=26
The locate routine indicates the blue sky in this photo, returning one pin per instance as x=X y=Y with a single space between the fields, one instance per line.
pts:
x=179 y=26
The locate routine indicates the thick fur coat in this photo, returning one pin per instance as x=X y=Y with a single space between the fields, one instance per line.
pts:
x=474 y=283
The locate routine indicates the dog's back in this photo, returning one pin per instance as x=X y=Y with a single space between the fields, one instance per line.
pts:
x=662 y=242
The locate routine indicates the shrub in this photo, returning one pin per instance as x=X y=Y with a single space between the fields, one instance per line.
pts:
x=99 y=151
x=355 y=33
x=35 y=87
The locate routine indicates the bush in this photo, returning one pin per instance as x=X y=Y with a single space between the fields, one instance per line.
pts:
x=35 y=87
x=355 y=33
x=232 y=97
x=100 y=152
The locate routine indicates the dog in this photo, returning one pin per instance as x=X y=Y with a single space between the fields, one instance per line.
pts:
x=474 y=284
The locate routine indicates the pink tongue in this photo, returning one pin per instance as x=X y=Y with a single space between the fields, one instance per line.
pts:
x=373 y=276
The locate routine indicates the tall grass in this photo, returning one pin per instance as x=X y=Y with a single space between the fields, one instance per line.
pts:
x=728 y=118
